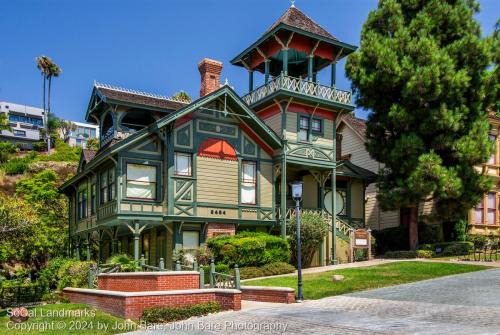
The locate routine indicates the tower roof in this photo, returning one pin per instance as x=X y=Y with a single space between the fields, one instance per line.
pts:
x=293 y=17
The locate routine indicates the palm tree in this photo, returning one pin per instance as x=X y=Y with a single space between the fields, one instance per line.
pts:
x=48 y=69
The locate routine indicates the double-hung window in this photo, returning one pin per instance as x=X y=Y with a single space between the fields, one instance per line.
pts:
x=309 y=125
x=103 y=195
x=111 y=184
x=141 y=181
x=492 y=208
x=82 y=203
x=248 y=182
x=183 y=163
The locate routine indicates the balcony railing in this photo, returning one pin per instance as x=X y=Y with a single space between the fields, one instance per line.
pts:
x=106 y=210
x=300 y=86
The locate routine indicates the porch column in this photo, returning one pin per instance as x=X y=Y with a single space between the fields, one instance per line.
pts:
x=137 y=236
x=333 y=78
x=88 y=248
x=250 y=80
x=310 y=66
x=283 y=197
x=266 y=71
x=321 y=206
x=285 y=61
x=77 y=249
x=334 y=194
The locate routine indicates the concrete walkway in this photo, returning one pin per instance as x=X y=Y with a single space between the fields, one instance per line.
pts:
x=465 y=304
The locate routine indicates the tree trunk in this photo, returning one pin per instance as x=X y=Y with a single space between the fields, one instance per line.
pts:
x=45 y=118
x=48 y=112
x=413 y=227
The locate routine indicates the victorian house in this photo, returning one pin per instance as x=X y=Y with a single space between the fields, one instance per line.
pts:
x=169 y=174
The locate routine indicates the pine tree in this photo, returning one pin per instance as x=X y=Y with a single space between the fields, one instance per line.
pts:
x=422 y=70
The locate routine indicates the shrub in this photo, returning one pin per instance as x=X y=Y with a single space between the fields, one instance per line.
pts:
x=220 y=268
x=48 y=275
x=40 y=146
x=171 y=314
x=430 y=233
x=313 y=229
x=425 y=253
x=277 y=268
x=457 y=249
x=391 y=239
x=249 y=249
x=126 y=263
x=251 y=272
x=6 y=150
x=401 y=254
x=360 y=255
x=63 y=272
x=15 y=166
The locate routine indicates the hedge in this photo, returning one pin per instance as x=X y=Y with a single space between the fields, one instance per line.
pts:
x=271 y=269
x=457 y=248
x=249 y=249
x=171 y=314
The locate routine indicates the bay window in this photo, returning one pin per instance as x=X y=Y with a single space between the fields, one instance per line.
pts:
x=248 y=182
x=107 y=185
x=182 y=162
x=141 y=181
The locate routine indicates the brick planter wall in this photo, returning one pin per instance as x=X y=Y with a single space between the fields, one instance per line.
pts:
x=282 y=295
x=130 y=305
x=149 y=281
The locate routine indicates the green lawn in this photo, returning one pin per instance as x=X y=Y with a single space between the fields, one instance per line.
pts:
x=320 y=285
x=74 y=322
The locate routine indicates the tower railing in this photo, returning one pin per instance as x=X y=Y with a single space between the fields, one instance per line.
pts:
x=299 y=86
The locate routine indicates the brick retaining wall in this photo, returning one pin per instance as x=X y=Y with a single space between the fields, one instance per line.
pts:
x=130 y=305
x=149 y=281
x=283 y=295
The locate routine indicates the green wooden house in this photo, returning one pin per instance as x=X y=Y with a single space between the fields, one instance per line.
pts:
x=169 y=174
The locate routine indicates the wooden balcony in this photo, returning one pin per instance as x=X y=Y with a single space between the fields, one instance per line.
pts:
x=301 y=87
x=106 y=210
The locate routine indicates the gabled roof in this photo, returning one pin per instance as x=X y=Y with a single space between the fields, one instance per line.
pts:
x=136 y=97
x=356 y=124
x=293 y=17
x=255 y=124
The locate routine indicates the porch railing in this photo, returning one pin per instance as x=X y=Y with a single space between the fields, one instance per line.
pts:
x=106 y=210
x=224 y=280
x=300 y=86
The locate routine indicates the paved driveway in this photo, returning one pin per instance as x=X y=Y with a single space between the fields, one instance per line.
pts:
x=461 y=304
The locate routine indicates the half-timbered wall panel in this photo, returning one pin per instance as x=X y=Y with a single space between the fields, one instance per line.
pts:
x=217 y=181
x=266 y=184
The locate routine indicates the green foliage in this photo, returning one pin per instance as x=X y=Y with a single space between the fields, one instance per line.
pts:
x=64 y=153
x=48 y=275
x=479 y=241
x=182 y=96
x=251 y=272
x=6 y=150
x=423 y=69
x=424 y=253
x=21 y=294
x=39 y=146
x=313 y=229
x=360 y=255
x=430 y=233
x=4 y=122
x=126 y=263
x=400 y=254
x=219 y=268
x=73 y=274
x=93 y=144
x=277 y=268
x=249 y=249
x=171 y=314
x=15 y=166
x=460 y=230
x=457 y=249
x=391 y=239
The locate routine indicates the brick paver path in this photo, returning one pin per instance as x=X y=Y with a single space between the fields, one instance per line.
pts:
x=461 y=304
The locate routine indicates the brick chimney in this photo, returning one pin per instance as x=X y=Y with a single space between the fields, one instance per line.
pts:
x=210 y=75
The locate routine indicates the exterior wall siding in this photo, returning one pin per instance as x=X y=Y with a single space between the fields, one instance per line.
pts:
x=220 y=187
x=266 y=184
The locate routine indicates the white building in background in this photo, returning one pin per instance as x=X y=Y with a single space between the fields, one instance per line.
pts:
x=83 y=132
x=26 y=123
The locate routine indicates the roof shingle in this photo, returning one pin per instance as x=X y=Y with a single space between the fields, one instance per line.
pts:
x=295 y=18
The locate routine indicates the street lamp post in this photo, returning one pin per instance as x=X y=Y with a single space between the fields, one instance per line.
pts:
x=297 y=196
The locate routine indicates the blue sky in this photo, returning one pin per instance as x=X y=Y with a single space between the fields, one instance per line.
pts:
x=150 y=45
